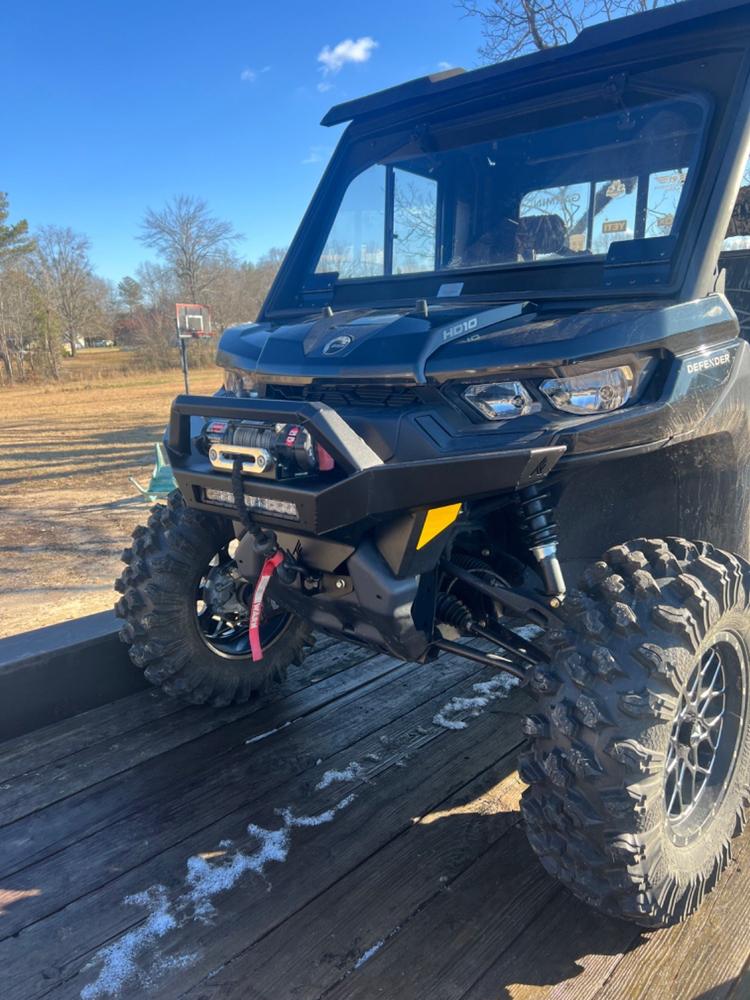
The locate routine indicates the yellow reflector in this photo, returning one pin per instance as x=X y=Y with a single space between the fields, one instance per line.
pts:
x=437 y=520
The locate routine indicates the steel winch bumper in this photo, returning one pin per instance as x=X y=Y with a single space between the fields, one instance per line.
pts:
x=361 y=486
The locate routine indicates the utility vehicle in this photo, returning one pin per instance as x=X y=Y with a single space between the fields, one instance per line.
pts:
x=506 y=351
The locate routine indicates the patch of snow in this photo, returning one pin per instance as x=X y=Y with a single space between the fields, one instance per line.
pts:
x=367 y=955
x=174 y=962
x=290 y=820
x=498 y=687
x=484 y=693
x=353 y=770
x=263 y=736
x=441 y=720
x=467 y=704
x=207 y=876
x=119 y=958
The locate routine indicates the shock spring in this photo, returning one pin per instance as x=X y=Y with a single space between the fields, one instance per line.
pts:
x=536 y=515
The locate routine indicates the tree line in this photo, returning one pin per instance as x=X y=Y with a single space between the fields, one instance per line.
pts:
x=52 y=301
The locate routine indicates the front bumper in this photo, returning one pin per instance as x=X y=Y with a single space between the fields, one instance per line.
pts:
x=361 y=488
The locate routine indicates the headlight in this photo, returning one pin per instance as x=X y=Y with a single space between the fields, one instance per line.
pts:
x=594 y=392
x=238 y=383
x=500 y=400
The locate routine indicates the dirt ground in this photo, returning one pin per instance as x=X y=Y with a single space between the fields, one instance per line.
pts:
x=66 y=506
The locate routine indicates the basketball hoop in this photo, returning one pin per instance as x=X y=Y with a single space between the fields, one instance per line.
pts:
x=192 y=322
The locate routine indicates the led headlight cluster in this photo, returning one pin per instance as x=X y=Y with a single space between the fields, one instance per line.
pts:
x=500 y=400
x=239 y=383
x=594 y=392
x=591 y=392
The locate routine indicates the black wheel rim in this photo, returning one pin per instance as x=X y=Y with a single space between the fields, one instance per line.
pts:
x=706 y=733
x=222 y=612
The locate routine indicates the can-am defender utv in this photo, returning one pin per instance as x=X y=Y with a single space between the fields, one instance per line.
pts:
x=501 y=349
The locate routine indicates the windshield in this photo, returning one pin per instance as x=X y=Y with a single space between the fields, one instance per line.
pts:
x=561 y=192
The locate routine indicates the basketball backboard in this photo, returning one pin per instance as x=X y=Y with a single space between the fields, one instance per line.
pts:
x=193 y=320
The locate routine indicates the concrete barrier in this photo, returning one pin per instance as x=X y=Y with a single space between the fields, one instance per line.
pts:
x=56 y=672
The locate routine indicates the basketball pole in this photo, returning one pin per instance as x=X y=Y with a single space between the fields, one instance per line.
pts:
x=183 y=339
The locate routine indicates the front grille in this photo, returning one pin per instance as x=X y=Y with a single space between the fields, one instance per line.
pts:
x=347 y=394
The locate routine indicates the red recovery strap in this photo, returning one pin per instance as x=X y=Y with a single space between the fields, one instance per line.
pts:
x=256 y=606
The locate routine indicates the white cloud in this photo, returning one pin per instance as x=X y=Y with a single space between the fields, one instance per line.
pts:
x=249 y=75
x=317 y=154
x=324 y=86
x=348 y=51
x=443 y=65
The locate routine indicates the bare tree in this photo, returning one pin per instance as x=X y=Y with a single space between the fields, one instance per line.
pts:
x=190 y=241
x=62 y=267
x=240 y=288
x=512 y=27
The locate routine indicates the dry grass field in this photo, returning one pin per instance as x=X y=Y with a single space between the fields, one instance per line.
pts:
x=66 y=506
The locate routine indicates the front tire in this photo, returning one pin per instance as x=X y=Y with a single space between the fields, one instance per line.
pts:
x=178 y=563
x=639 y=769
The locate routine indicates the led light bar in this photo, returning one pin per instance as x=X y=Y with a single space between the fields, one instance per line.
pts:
x=281 y=508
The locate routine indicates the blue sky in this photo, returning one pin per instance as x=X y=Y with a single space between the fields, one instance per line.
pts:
x=110 y=107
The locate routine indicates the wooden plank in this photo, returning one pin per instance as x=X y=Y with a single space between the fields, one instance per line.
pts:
x=580 y=949
x=387 y=796
x=51 y=744
x=60 y=739
x=701 y=957
x=456 y=937
x=325 y=941
x=238 y=778
x=153 y=787
x=51 y=782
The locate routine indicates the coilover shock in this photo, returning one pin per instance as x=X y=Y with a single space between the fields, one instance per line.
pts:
x=535 y=511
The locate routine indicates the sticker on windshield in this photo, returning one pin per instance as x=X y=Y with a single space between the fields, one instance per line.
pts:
x=616 y=189
x=577 y=242
x=450 y=289
x=618 y=226
x=673 y=180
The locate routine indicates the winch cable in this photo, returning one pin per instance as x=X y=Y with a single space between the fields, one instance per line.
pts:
x=264 y=540
x=265 y=543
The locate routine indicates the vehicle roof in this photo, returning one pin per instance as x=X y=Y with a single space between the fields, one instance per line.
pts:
x=596 y=37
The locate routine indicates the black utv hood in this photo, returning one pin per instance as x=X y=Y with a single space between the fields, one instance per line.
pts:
x=463 y=342
x=376 y=343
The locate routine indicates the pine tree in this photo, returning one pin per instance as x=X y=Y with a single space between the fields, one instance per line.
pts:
x=14 y=239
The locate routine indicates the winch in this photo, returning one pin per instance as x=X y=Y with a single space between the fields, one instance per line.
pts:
x=275 y=451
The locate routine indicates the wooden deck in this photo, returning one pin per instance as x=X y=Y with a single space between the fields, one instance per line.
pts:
x=354 y=836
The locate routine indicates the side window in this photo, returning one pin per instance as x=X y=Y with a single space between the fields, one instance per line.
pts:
x=414 y=222
x=738 y=233
x=386 y=224
x=356 y=243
